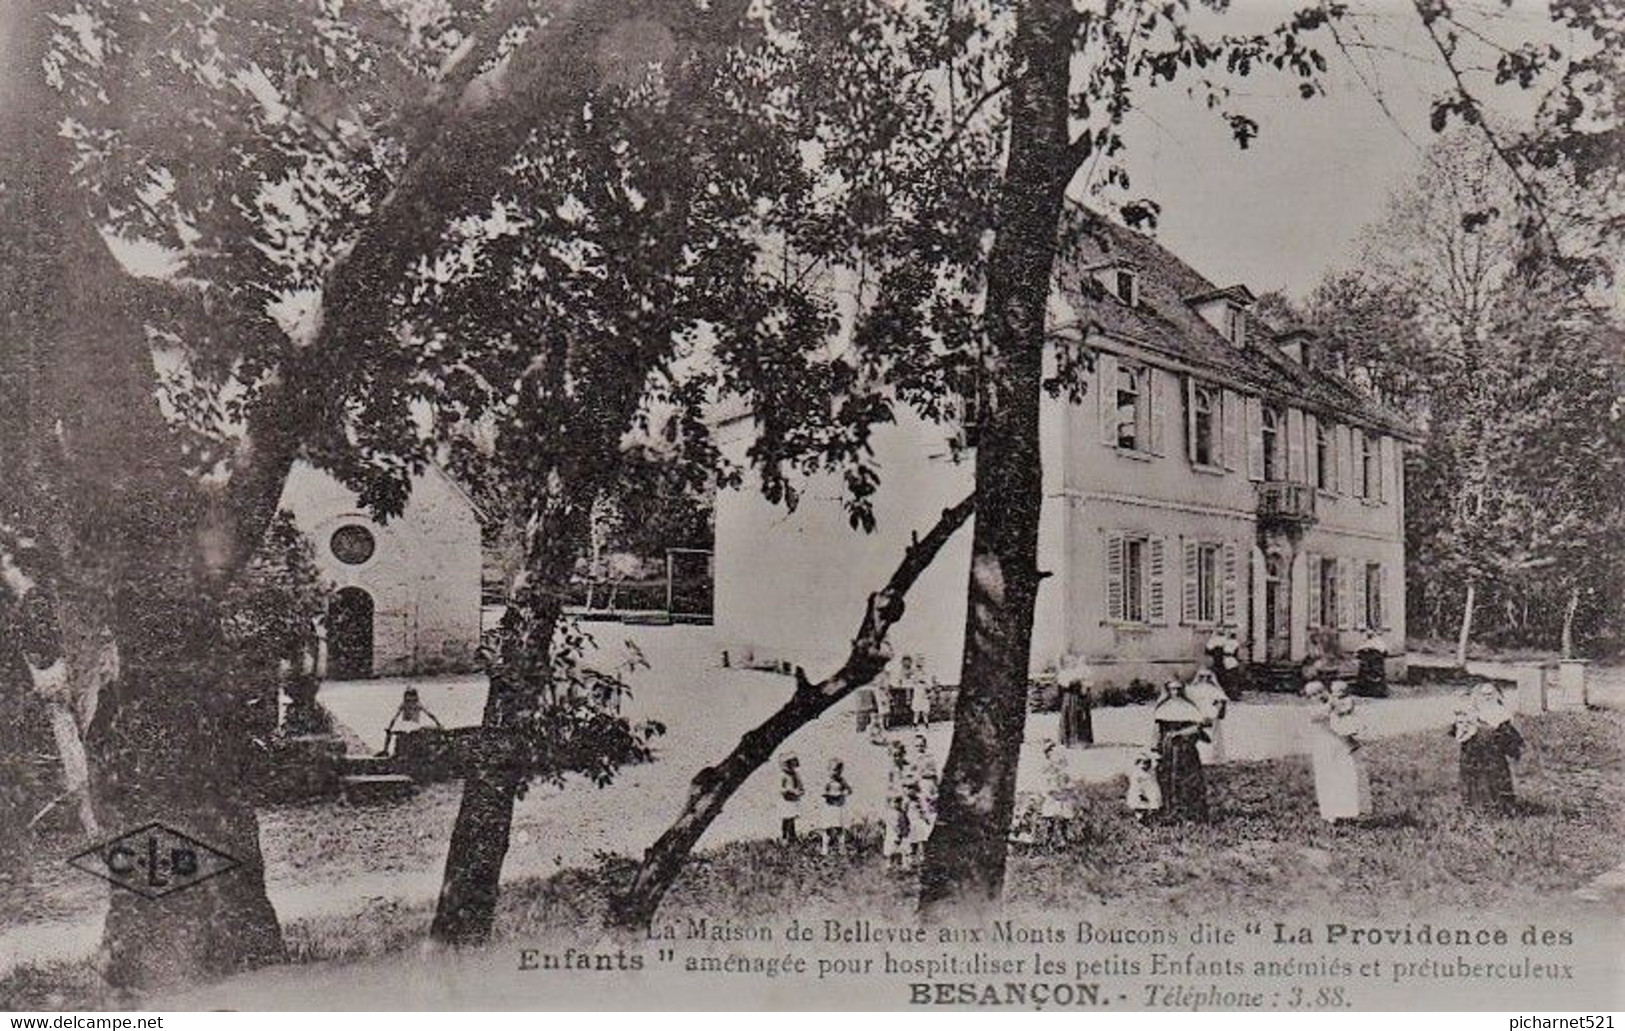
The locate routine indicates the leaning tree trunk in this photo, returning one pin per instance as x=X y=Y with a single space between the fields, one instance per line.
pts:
x=714 y=785
x=1466 y=633
x=965 y=855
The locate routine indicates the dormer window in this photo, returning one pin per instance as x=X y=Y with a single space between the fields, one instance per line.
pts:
x=1126 y=285
x=1226 y=311
x=1235 y=324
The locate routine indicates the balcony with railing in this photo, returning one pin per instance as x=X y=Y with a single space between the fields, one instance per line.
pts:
x=1282 y=503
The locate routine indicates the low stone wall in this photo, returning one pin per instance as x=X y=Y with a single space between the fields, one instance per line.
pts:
x=1537 y=686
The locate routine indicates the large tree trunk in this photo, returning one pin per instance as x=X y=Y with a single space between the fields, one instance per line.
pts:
x=472 y=879
x=116 y=541
x=174 y=742
x=965 y=856
x=714 y=785
x=1465 y=635
x=689 y=40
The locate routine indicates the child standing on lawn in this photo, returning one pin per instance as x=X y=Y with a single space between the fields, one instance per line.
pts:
x=902 y=794
x=1055 y=811
x=791 y=792
x=925 y=764
x=1144 y=794
x=836 y=791
x=920 y=697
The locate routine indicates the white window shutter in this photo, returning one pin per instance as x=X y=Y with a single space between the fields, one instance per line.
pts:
x=1382 y=598
x=1345 y=594
x=1312 y=562
x=1255 y=439
x=1156 y=609
x=1106 y=377
x=1190 y=419
x=1230 y=431
x=1114 y=577
x=1155 y=408
x=1335 y=479
x=1190 y=611
x=1351 y=461
x=1311 y=457
x=1232 y=586
x=1356 y=464
x=1383 y=451
x=1295 y=467
x=1360 y=588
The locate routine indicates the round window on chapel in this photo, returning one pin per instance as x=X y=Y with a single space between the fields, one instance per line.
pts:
x=353 y=545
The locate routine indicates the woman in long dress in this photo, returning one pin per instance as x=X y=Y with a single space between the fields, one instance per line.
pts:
x=1180 y=726
x=1488 y=740
x=1206 y=694
x=1342 y=783
x=1076 y=720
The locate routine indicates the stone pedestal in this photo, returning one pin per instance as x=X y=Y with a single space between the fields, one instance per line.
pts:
x=1568 y=690
x=1533 y=689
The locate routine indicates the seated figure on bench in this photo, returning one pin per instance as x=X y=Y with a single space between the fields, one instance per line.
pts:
x=409 y=718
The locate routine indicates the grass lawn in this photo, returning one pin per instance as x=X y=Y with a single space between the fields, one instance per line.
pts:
x=1267 y=851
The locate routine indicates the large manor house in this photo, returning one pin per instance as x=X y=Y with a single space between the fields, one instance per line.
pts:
x=1215 y=474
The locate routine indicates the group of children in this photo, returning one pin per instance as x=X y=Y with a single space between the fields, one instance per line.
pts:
x=911 y=803
x=913 y=684
x=1167 y=779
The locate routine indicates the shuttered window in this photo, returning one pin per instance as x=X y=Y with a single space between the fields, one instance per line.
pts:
x=1136 y=579
x=1272 y=430
x=1326 y=605
x=1325 y=455
x=1204 y=432
x=1131 y=429
x=1370 y=469
x=1373 y=595
x=1330 y=611
x=1204 y=582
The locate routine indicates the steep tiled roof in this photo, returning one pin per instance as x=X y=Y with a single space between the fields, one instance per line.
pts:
x=1165 y=321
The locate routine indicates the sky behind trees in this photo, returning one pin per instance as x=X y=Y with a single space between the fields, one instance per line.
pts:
x=1292 y=205
x=1279 y=213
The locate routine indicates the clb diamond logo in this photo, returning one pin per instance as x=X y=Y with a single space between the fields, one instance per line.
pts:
x=153 y=861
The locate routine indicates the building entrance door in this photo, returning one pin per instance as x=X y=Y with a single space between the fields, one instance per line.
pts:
x=1277 y=609
x=349 y=635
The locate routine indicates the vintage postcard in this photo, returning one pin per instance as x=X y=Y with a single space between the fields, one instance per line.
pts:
x=1081 y=505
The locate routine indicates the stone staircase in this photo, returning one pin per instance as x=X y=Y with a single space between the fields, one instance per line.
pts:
x=368 y=779
x=1276 y=677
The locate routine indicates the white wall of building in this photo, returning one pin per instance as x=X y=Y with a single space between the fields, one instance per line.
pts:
x=791 y=586
x=423 y=576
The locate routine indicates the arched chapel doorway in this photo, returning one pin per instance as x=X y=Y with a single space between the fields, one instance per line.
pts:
x=349 y=634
